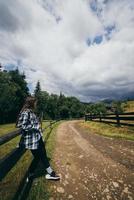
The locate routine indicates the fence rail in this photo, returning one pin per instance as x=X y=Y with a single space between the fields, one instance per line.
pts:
x=10 y=160
x=126 y=119
x=9 y=136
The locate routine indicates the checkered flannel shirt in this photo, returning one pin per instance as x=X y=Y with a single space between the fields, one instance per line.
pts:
x=30 y=128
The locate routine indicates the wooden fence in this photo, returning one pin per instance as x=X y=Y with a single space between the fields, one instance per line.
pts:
x=10 y=160
x=114 y=118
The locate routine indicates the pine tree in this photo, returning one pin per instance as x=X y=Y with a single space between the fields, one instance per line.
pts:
x=38 y=95
x=37 y=90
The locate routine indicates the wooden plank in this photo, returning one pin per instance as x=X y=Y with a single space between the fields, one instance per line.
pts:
x=9 y=136
x=127 y=113
x=113 y=114
x=9 y=161
x=110 y=122
x=25 y=186
x=121 y=118
x=127 y=118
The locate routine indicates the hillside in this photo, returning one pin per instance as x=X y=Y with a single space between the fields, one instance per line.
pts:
x=128 y=106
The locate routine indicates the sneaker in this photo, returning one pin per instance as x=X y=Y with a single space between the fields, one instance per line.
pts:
x=52 y=176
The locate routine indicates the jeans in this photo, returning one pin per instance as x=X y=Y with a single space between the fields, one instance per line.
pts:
x=39 y=155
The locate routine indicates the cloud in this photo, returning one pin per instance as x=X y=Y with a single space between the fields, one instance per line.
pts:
x=50 y=39
x=13 y=16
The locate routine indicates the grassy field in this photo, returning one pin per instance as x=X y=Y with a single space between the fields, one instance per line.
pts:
x=41 y=186
x=110 y=130
x=6 y=128
x=11 y=182
x=128 y=106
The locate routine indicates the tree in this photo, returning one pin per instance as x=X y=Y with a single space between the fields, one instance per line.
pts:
x=117 y=107
x=13 y=90
x=37 y=90
x=53 y=106
x=22 y=90
x=64 y=112
x=96 y=109
x=38 y=95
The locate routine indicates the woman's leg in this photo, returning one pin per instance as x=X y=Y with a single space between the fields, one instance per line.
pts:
x=36 y=159
x=40 y=154
x=51 y=174
x=43 y=154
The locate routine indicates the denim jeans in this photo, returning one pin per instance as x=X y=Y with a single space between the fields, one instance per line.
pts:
x=39 y=155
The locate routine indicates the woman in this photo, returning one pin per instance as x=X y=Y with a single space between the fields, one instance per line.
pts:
x=32 y=136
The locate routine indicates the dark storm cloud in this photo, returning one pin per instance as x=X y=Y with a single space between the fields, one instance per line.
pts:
x=110 y=92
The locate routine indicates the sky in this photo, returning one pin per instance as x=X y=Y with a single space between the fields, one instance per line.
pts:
x=82 y=48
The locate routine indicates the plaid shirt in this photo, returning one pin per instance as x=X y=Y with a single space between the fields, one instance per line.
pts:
x=30 y=128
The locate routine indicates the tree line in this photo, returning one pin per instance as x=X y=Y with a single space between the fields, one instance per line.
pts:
x=14 y=90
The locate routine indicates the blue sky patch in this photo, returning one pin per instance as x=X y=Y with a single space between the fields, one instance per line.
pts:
x=10 y=67
x=98 y=39
x=109 y=30
x=93 y=6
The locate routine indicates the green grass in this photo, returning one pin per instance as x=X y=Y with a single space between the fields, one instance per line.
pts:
x=109 y=130
x=128 y=106
x=41 y=188
x=7 y=147
x=6 y=128
x=10 y=183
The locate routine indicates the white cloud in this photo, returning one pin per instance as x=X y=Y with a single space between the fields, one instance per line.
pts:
x=50 y=37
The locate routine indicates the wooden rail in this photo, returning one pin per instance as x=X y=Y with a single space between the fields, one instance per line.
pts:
x=10 y=160
x=116 y=118
x=9 y=136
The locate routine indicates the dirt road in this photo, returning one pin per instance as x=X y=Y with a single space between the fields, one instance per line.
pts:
x=92 y=166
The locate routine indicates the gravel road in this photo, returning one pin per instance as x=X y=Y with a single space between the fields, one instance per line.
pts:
x=92 y=167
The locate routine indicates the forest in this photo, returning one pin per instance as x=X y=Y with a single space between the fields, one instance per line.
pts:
x=14 y=90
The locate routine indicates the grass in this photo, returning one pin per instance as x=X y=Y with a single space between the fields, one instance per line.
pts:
x=11 y=182
x=128 y=106
x=109 y=130
x=6 y=128
x=41 y=187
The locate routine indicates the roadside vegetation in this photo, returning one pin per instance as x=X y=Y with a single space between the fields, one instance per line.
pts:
x=6 y=128
x=41 y=188
x=14 y=90
x=11 y=182
x=111 y=130
x=128 y=106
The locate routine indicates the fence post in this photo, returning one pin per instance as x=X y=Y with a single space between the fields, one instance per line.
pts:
x=100 y=116
x=91 y=116
x=117 y=118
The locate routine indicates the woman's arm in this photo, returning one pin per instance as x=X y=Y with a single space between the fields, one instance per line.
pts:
x=26 y=123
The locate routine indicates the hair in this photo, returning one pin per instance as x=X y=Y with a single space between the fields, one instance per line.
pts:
x=29 y=103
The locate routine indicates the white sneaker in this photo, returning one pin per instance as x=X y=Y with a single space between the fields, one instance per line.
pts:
x=52 y=176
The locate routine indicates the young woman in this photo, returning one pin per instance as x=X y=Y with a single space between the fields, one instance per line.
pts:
x=32 y=136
